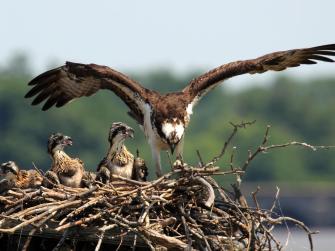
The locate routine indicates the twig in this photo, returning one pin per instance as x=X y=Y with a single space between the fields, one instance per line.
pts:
x=200 y=159
x=101 y=237
x=236 y=127
x=275 y=199
x=62 y=240
x=39 y=217
x=281 y=219
x=186 y=229
x=32 y=232
x=254 y=194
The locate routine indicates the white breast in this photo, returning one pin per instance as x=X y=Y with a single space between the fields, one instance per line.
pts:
x=124 y=171
x=168 y=129
x=73 y=181
x=150 y=133
x=189 y=109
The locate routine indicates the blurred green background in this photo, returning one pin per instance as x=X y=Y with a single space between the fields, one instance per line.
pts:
x=297 y=110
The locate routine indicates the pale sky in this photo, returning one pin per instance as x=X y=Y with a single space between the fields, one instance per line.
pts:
x=148 y=34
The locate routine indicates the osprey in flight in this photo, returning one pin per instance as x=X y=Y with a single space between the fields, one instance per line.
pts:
x=163 y=117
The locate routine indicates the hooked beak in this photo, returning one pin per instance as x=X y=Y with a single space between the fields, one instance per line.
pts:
x=68 y=141
x=130 y=133
x=172 y=148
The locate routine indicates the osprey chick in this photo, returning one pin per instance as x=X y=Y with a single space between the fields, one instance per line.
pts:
x=140 y=169
x=119 y=160
x=163 y=117
x=64 y=169
x=14 y=177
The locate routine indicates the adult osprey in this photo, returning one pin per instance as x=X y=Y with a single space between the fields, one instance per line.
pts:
x=163 y=117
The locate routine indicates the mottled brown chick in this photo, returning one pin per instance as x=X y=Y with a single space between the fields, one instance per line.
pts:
x=119 y=161
x=140 y=169
x=13 y=177
x=64 y=169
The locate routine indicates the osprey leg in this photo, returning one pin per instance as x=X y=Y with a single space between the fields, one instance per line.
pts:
x=157 y=160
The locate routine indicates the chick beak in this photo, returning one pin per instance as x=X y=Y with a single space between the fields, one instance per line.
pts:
x=172 y=148
x=130 y=133
x=68 y=141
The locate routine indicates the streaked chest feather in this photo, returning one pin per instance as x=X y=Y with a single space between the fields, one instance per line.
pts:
x=122 y=158
x=121 y=163
x=70 y=171
x=61 y=163
x=125 y=170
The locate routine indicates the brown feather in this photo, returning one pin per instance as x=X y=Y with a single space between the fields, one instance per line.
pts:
x=276 y=61
x=69 y=171
x=72 y=80
x=65 y=164
x=63 y=84
x=28 y=179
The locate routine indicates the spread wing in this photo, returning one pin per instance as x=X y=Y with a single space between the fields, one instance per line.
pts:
x=276 y=61
x=72 y=80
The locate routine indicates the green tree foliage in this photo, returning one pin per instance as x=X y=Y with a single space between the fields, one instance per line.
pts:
x=296 y=111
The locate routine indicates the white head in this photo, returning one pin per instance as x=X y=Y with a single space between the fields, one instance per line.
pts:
x=173 y=131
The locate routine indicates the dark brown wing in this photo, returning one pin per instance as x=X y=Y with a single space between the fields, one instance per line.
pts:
x=276 y=61
x=72 y=80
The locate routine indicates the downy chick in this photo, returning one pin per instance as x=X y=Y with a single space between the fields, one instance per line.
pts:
x=16 y=178
x=119 y=161
x=140 y=169
x=64 y=169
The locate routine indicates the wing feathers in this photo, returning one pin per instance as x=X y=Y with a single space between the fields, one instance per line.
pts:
x=276 y=61
x=61 y=101
x=44 y=76
x=61 y=85
x=328 y=53
x=40 y=84
x=49 y=103
x=41 y=97
x=307 y=61
x=321 y=58
x=323 y=47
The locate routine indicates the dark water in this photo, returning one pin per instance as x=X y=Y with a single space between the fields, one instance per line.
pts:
x=298 y=240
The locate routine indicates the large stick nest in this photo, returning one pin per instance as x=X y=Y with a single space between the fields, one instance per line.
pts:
x=184 y=209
